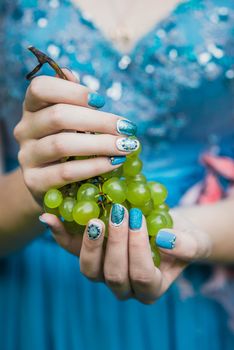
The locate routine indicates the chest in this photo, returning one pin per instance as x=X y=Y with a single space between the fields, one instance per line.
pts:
x=177 y=75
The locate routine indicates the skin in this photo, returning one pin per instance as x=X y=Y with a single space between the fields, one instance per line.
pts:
x=111 y=15
x=124 y=261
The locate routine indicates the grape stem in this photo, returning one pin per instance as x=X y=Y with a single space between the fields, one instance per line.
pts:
x=42 y=59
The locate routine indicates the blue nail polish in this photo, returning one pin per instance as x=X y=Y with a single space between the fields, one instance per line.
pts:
x=95 y=100
x=94 y=231
x=117 y=214
x=118 y=160
x=43 y=222
x=126 y=127
x=135 y=219
x=165 y=239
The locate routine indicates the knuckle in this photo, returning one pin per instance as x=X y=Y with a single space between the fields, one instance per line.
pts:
x=17 y=132
x=142 y=278
x=66 y=173
x=193 y=251
x=21 y=156
x=115 y=279
x=36 y=86
x=29 y=178
x=58 y=145
x=56 y=116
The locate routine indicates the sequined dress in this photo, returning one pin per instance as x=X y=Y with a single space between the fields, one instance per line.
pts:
x=177 y=84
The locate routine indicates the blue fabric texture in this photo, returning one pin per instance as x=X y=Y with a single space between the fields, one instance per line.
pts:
x=177 y=85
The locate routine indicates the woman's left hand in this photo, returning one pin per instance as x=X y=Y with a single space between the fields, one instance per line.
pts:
x=124 y=261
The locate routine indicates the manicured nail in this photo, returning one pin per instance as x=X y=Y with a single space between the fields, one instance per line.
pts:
x=94 y=230
x=118 y=160
x=127 y=144
x=96 y=100
x=42 y=220
x=125 y=126
x=165 y=239
x=117 y=214
x=135 y=219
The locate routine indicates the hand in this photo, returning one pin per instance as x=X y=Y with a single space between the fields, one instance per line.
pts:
x=52 y=109
x=124 y=261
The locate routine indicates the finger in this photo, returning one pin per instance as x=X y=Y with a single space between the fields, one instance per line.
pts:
x=181 y=244
x=91 y=255
x=71 y=76
x=145 y=278
x=58 y=175
x=60 y=117
x=71 y=243
x=45 y=90
x=54 y=147
x=116 y=257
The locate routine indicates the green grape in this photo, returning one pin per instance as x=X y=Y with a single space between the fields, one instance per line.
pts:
x=84 y=211
x=158 y=192
x=147 y=207
x=127 y=205
x=53 y=198
x=162 y=206
x=113 y=173
x=82 y=157
x=73 y=228
x=132 y=167
x=66 y=208
x=155 y=222
x=115 y=189
x=138 y=193
x=107 y=183
x=155 y=252
x=135 y=153
x=138 y=178
x=105 y=219
x=88 y=192
x=53 y=211
x=167 y=216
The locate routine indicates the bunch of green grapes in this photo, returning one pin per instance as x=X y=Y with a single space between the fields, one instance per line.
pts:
x=79 y=202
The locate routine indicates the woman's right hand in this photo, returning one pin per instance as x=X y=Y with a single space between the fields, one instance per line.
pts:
x=52 y=109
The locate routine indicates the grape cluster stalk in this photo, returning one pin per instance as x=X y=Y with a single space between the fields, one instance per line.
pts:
x=79 y=202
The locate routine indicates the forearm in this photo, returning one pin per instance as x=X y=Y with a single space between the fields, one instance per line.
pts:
x=18 y=213
x=218 y=221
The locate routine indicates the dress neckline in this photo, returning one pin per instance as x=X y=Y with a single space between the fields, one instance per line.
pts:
x=110 y=44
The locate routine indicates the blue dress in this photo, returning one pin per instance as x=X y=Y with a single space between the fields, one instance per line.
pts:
x=177 y=84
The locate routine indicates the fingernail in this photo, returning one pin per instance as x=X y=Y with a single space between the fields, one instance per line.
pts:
x=95 y=100
x=94 y=230
x=135 y=219
x=127 y=144
x=125 y=126
x=118 y=160
x=73 y=73
x=165 y=239
x=117 y=214
x=42 y=220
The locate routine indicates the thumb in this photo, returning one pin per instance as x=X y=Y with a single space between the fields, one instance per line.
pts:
x=185 y=244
